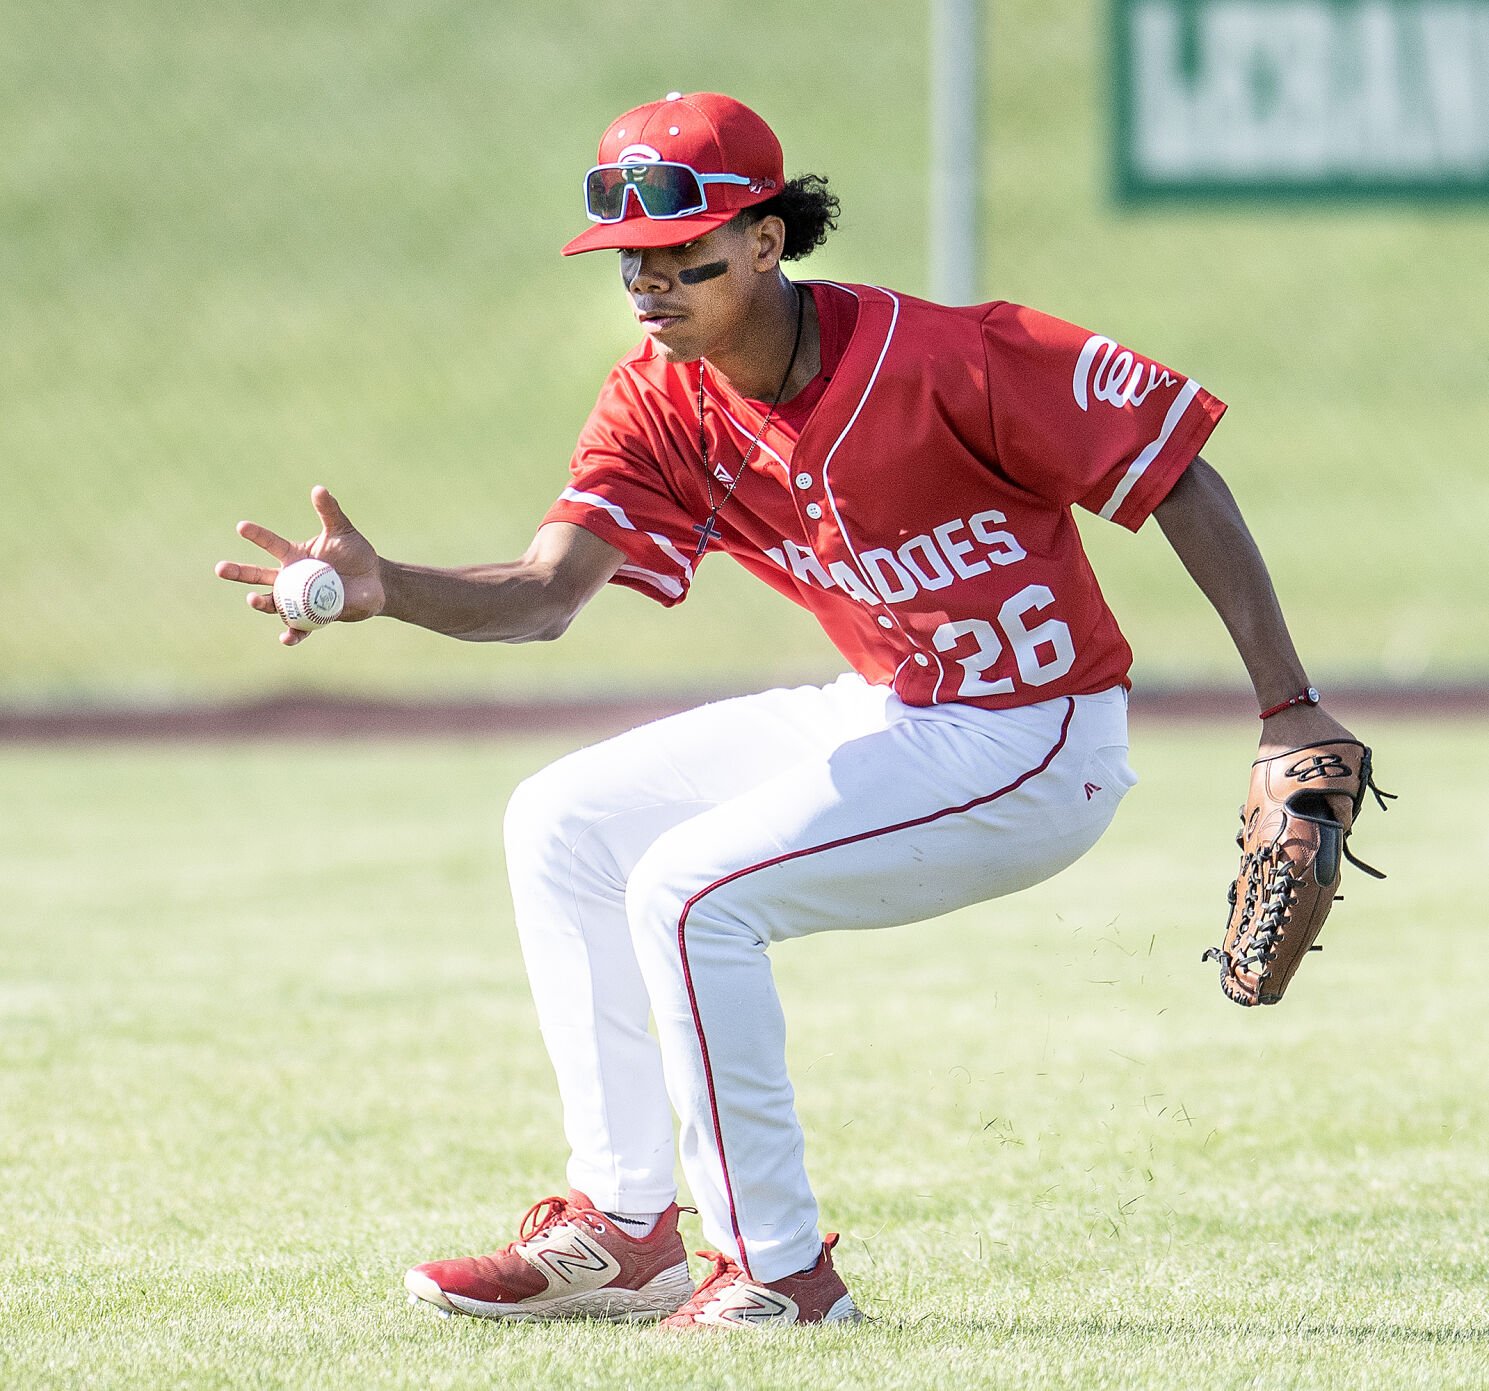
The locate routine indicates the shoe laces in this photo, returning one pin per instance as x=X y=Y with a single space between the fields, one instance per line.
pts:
x=545 y=1213
x=725 y=1272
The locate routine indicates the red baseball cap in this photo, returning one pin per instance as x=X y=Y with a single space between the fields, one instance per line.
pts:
x=711 y=134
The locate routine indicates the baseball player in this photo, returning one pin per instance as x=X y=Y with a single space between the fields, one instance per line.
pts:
x=907 y=472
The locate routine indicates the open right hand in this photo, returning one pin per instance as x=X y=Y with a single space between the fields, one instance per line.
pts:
x=339 y=544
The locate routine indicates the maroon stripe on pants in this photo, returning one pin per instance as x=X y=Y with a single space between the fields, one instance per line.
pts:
x=682 y=942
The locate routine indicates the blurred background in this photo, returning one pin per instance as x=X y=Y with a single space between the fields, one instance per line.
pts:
x=248 y=248
x=264 y=1039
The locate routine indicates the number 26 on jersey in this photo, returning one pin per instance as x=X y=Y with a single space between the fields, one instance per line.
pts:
x=1042 y=648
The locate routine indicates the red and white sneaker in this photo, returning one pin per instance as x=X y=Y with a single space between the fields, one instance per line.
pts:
x=728 y=1298
x=569 y=1261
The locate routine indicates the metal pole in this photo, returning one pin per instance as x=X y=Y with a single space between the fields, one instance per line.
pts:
x=956 y=149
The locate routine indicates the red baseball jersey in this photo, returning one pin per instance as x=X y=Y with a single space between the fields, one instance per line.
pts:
x=922 y=510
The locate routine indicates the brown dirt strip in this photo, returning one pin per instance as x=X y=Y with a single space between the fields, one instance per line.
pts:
x=320 y=717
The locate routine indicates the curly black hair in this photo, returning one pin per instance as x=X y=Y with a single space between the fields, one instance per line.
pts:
x=809 y=210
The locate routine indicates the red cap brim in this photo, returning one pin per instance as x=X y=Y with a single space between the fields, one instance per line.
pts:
x=646 y=231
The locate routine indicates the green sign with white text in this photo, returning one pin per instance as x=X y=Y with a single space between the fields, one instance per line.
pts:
x=1301 y=98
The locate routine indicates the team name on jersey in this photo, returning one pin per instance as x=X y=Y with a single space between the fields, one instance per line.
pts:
x=962 y=548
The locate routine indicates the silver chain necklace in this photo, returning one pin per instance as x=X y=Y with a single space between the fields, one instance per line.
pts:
x=707 y=530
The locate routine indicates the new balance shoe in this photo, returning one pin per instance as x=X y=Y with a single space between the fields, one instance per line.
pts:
x=569 y=1261
x=728 y=1298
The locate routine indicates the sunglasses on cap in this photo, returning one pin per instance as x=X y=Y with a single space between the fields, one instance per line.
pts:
x=663 y=188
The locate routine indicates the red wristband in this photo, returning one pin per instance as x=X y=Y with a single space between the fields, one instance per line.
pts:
x=1303 y=697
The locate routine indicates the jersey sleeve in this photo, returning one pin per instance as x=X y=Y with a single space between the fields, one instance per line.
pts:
x=618 y=490
x=1080 y=420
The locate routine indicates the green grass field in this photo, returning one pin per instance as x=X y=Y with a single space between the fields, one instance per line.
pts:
x=249 y=248
x=251 y=1070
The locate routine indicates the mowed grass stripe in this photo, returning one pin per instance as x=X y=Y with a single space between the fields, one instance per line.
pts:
x=266 y=1042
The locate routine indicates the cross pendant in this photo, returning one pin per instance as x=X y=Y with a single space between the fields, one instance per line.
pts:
x=707 y=532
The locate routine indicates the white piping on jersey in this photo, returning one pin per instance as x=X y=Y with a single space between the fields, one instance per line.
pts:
x=1139 y=465
x=605 y=505
x=896 y=676
x=668 y=584
x=833 y=502
x=760 y=444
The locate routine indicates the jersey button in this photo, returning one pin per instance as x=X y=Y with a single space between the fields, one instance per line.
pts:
x=803 y=480
x=885 y=621
x=814 y=511
x=921 y=660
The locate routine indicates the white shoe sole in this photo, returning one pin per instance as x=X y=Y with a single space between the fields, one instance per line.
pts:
x=663 y=1295
x=844 y=1311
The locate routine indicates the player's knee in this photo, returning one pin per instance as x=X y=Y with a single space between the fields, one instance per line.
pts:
x=657 y=889
x=545 y=809
x=667 y=893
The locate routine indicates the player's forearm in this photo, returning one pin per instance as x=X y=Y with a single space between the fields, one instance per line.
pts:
x=528 y=600
x=1205 y=527
x=507 y=602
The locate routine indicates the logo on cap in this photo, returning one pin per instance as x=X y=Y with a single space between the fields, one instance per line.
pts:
x=637 y=154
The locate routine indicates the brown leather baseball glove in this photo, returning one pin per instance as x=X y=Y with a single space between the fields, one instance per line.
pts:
x=1294 y=838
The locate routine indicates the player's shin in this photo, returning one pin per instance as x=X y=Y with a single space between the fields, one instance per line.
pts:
x=723 y=1040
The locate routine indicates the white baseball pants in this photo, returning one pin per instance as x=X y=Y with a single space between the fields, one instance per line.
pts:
x=651 y=872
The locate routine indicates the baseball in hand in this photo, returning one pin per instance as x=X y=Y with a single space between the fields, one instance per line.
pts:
x=308 y=595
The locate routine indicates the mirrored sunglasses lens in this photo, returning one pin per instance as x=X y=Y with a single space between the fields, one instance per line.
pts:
x=664 y=190
x=605 y=194
x=669 y=190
